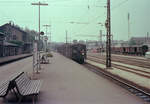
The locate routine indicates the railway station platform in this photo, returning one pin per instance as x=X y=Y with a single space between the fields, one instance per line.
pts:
x=12 y=58
x=67 y=82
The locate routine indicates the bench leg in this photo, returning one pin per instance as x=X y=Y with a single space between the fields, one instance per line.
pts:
x=5 y=99
x=15 y=94
x=33 y=99
x=19 y=102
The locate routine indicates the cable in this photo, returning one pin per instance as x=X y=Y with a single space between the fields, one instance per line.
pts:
x=112 y=9
x=121 y=3
x=89 y=22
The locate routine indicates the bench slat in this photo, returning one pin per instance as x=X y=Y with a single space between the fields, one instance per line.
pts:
x=27 y=87
x=3 y=88
x=33 y=88
x=6 y=86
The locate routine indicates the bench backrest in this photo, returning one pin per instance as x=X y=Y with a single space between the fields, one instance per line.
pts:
x=4 y=88
x=7 y=85
x=21 y=82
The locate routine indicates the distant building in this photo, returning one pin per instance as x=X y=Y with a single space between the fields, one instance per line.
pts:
x=75 y=41
x=15 y=35
x=12 y=32
x=2 y=36
x=92 y=44
x=81 y=42
x=140 y=40
x=120 y=43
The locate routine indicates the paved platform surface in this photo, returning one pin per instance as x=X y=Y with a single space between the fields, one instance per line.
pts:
x=67 y=82
x=11 y=58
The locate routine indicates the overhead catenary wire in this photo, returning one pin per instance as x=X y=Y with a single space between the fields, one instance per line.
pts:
x=119 y=4
x=113 y=8
x=54 y=1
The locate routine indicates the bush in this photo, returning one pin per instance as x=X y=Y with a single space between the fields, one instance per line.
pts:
x=49 y=55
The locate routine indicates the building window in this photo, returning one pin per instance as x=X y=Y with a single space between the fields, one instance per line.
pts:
x=14 y=37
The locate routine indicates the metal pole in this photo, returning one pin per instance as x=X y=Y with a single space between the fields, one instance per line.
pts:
x=66 y=37
x=112 y=40
x=66 y=42
x=46 y=41
x=39 y=38
x=100 y=41
x=50 y=42
x=147 y=37
x=38 y=53
x=50 y=39
x=108 y=42
x=128 y=26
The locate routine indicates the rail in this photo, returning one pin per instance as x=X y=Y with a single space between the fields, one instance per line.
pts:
x=133 y=89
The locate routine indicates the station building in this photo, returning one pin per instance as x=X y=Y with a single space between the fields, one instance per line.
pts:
x=14 y=40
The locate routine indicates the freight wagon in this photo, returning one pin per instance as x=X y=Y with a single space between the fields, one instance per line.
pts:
x=130 y=50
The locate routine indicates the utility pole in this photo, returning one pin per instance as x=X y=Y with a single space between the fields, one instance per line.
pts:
x=46 y=26
x=112 y=40
x=66 y=37
x=38 y=53
x=100 y=41
x=50 y=40
x=108 y=42
x=66 y=41
x=128 y=26
x=147 y=37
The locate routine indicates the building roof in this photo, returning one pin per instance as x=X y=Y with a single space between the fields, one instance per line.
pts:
x=13 y=26
x=1 y=33
x=140 y=38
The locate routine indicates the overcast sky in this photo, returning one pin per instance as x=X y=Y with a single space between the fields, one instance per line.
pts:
x=59 y=14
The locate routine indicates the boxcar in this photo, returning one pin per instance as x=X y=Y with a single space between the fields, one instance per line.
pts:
x=131 y=50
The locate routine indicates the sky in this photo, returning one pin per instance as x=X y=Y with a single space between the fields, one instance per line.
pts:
x=86 y=14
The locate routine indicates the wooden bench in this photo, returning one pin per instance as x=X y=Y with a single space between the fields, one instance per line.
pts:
x=44 y=60
x=7 y=85
x=4 y=88
x=27 y=87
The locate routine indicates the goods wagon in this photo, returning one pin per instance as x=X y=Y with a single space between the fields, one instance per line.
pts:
x=131 y=50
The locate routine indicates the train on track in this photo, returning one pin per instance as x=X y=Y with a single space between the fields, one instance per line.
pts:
x=129 y=50
x=76 y=52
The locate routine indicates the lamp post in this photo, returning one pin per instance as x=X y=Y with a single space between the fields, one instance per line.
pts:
x=38 y=53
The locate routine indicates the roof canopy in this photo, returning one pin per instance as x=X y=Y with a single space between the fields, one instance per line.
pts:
x=2 y=34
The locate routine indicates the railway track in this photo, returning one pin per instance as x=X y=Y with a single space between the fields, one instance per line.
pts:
x=122 y=67
x=137 y=62
x=131 y=57
x=121 y=82
x=130 y=61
